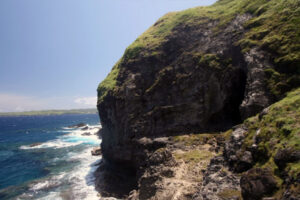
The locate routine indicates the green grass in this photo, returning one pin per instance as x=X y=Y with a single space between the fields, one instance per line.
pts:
x=279 y=129
x=108 y=83
x=275 y=23
x=194 y=156
x=195 y=139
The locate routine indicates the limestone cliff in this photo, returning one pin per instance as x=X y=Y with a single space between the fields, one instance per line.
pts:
x=204 y=69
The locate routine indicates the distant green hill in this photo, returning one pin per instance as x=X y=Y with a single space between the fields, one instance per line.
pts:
x=50 y=112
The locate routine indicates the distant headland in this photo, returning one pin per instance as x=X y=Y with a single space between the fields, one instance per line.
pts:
x=50 y=112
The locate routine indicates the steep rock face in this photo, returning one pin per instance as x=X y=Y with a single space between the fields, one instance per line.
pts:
x=200 y=70
x=181 y=91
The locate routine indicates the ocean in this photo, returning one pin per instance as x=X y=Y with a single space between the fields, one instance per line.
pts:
x=41 y=158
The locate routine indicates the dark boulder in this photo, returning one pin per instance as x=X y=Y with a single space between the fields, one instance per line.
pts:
x=257 y=183
x=284 y=156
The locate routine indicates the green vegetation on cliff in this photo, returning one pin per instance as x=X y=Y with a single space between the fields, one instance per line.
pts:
x=109 y=82
x=273 y=27
x=275 y=22
x=277 y=136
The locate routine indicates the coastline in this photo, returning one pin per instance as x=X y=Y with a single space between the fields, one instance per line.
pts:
x=49 y=112
x=67 y=164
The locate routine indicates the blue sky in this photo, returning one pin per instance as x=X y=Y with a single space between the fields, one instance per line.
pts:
x=54 y=53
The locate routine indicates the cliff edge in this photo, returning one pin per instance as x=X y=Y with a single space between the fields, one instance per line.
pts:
x=202 y=70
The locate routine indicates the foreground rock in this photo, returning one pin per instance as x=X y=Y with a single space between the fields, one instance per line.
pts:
x=96 y=151
x=176 y=170
x=219 y=182
x=257 y=183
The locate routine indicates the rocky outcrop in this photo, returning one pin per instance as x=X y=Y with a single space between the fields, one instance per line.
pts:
x=219 y=182
x=210 y=97
x=238 y=160
x=200 y=70
x=257 y=183
x=96 y=151
x=78 y=125
x=285 y=156
x=257 y=96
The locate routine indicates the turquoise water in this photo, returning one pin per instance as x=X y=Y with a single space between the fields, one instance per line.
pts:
x=59 y=167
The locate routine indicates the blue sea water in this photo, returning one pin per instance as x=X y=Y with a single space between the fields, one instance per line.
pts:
x=58 y=166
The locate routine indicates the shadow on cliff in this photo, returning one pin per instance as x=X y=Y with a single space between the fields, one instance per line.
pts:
x=111 y=180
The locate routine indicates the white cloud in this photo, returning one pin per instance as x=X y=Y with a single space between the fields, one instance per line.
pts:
x=12 y=102
x=87 y=101
x=16 y=103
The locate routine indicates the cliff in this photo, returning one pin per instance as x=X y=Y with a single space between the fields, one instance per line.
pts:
x=203 y=70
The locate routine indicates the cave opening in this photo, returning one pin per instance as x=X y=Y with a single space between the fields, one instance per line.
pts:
x=230 y=114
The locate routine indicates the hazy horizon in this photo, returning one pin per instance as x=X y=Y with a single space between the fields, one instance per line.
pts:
x=95 y=108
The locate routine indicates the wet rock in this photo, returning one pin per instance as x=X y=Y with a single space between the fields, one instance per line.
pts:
x=35 y=144
x=96 y=151
x=86 y=134
x=257 y=183
x=77 y=125
x=85 y=128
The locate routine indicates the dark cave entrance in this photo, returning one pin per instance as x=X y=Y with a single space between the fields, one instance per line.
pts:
x=230 y=115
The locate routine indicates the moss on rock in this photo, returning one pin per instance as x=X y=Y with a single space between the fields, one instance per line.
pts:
x=274 y=137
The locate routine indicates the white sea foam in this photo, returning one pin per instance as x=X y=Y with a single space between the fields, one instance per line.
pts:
x=51 y=182
x=72 y=138
x=82 y=177
x=52 y=144
x=80 y=181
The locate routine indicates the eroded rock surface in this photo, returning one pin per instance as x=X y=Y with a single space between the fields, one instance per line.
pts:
x=197 y=97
